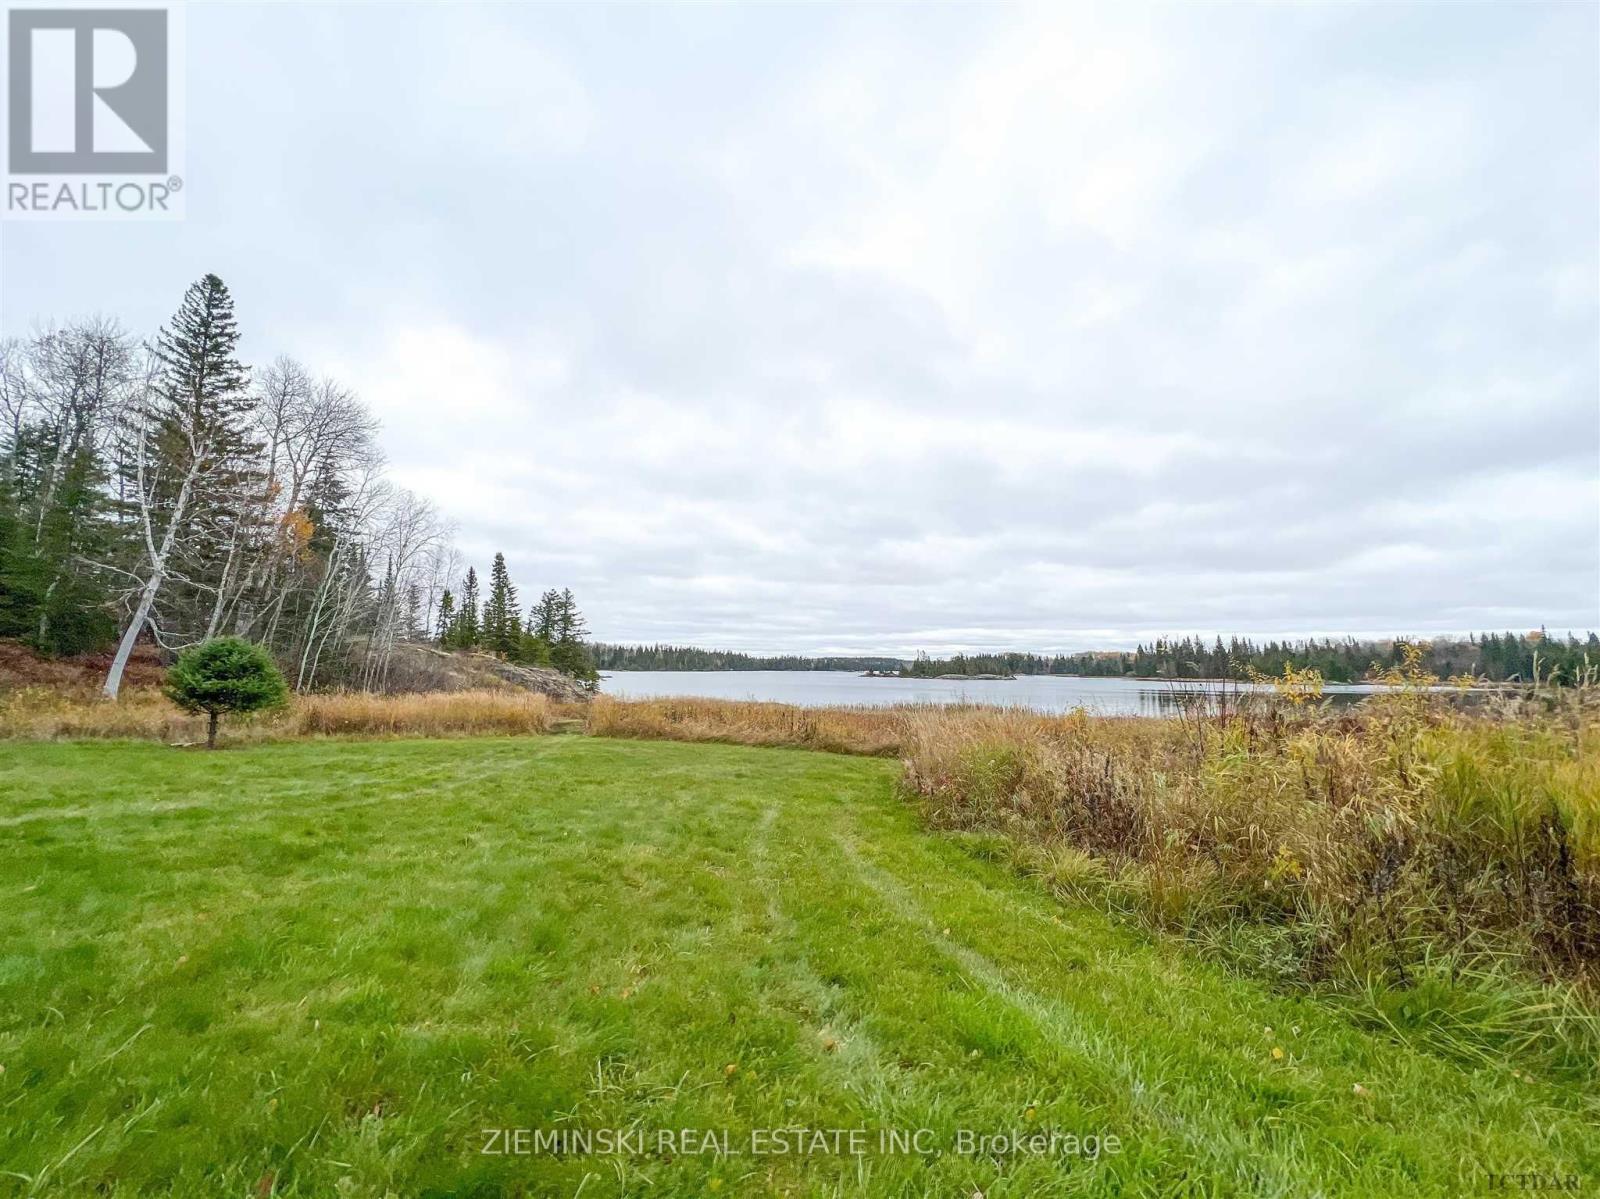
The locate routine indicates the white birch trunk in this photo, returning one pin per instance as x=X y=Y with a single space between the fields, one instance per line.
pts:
x=158 y=565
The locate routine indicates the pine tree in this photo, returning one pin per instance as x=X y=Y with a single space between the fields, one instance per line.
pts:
x=502 y=628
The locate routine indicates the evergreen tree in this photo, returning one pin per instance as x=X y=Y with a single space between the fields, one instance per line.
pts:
x=468 y=632
x=46 y=599
x=573 y=658
x=225 y=675
x=205 y=404
x=544 y=615
x=569 y=622
x=445 y=627
x=413 y=629
x=533 y=650
x=502 y=628
x=568 y=653
x=62 y=394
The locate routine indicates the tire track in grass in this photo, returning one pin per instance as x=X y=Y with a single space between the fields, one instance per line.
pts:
x=804 y=989
x=1296 y=1121
x=1213 y=1144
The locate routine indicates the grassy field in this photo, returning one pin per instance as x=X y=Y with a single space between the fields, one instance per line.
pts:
x=326 y=968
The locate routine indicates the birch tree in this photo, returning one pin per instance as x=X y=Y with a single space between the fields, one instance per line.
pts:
x=192 y=454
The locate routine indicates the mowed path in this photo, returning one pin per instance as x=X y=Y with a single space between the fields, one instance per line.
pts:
x=327 y=968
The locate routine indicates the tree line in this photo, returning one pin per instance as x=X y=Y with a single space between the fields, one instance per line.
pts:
x=687 y=657
x=552 y=633
x=1497 y=657
x=162 y=491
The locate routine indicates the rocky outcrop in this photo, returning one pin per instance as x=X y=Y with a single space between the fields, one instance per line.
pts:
x=417 y=667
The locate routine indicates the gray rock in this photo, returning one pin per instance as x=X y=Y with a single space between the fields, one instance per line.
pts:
x=418 y=667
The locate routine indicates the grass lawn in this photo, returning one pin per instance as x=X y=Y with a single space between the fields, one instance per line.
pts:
x=326 y=968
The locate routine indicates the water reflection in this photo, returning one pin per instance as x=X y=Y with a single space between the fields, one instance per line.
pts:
x=1041 y=693
x=1183 y=699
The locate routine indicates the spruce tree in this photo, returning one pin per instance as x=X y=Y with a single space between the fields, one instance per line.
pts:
x=568 y=653
x=445 y=627
x=225 y=675
x=502 y=628
x=570 y=624
x=205 y=402
x=544 y=615
x=533 y=650
x=468 y=631
x=45 y=598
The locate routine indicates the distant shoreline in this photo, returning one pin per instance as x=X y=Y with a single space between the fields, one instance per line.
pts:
x=1358 y=685
x=987 y=678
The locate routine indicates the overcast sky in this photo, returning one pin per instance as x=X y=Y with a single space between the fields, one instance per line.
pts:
x=855 y=329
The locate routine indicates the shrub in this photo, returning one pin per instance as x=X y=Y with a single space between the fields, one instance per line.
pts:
x=227 y=674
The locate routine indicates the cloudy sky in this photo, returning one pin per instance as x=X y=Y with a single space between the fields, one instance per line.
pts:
x=893 y=328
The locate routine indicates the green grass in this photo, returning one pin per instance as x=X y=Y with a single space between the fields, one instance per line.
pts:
x=324 y=968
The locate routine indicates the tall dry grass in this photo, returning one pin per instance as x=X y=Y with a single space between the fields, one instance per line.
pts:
x=68 y=714
x=1405 y=844
x=876 y=732
x=430 y=714
x=44 y=714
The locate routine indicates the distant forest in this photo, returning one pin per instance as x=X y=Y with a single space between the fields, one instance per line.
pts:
x=687 y=657
x=1499 y=657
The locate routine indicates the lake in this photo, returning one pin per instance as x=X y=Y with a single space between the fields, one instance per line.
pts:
x=831 y=688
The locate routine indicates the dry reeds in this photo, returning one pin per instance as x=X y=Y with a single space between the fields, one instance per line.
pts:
x=43 y=714
x=1391 y=841
x=55 y=714
x=876 y=732
x=430 y=714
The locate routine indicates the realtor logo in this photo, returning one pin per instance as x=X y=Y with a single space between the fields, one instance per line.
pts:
x=92 y=107
x=87 y=91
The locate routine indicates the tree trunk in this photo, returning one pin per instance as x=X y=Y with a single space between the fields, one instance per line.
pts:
x=158 y=563
x=147 y=599
x=44 y=610
x=211 y=732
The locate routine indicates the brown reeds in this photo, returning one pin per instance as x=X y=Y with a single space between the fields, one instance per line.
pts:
x=1394 y=843
x=41 y=714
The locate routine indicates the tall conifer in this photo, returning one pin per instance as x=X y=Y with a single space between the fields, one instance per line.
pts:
x=502 y=628
x=468 y=630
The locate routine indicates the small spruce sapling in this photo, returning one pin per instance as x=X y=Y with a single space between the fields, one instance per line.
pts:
x=227 y=674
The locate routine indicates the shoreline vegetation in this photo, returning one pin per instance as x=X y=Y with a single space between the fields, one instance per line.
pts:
x=1406 y=846
x=1485 y=657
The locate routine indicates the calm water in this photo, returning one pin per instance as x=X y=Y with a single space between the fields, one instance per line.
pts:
x=822 y=688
